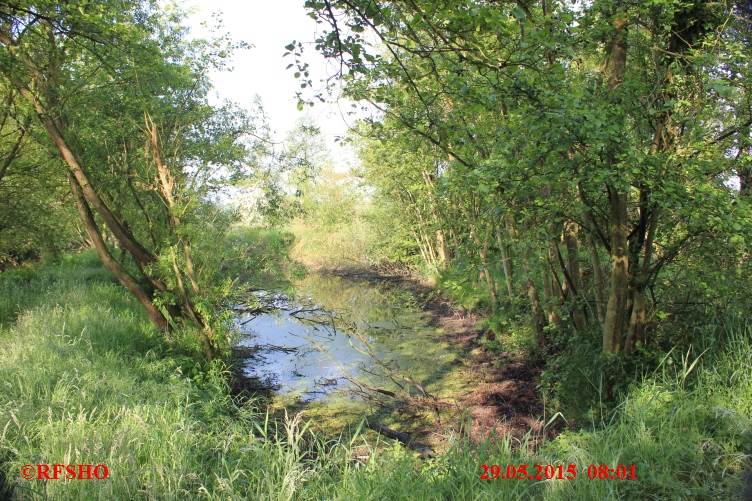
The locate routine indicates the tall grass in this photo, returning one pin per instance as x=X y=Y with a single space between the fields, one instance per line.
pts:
x=344 y=246
x=85 y=379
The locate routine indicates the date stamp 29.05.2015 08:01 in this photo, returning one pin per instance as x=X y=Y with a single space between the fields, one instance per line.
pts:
x=556 y=472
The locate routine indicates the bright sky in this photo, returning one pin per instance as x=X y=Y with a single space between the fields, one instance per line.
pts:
x=269 y=25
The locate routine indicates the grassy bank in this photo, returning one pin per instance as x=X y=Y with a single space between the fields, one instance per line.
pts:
x=84 y=378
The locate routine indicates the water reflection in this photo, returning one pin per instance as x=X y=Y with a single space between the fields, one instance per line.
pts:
x=331 y=327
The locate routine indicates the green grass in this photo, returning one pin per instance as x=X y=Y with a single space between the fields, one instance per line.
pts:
x=343 y=246
x=85 y=379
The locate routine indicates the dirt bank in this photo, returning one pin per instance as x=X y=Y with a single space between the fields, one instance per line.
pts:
x=504 y=397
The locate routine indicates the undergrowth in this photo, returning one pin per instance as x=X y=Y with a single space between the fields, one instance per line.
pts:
x=84 y=378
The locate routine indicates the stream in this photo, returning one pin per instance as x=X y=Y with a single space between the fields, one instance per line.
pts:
x=303 y=344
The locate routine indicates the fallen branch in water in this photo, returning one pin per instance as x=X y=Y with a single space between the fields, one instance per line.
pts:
x=425 y=451
x=346 y=375
x=428 y=401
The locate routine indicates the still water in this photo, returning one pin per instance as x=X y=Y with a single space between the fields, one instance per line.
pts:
x=333 y=326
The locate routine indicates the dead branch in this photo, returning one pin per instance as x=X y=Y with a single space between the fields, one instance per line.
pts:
x=425 y=451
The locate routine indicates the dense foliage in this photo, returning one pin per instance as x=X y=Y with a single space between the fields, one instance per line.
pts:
x=107 y=117
x=593 y=159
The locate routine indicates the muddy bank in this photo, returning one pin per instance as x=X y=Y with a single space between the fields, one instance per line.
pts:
x=502 y=397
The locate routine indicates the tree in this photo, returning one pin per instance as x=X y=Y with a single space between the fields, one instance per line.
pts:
x=597 y=124
x=34 y=217
x=276 y=190
x=121 y=96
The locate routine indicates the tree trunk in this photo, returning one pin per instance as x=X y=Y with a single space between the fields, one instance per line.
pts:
x=120 y=273
x=141 y=256
x=482 y=252
x=539 y=319
x=572 y=272
x=166 y=186
x=442 y=247
x=420 y=247
x=551 y=299
x=12 y=154
x=484 y=263
x=639 y=312
x=437 y=219
x=559 y=291
x=649 y=221
x=191 y=311
x=595 y=259
x=600 y=303
x=612 y=330
x=50 y=247
x=138 y=252
x=617 y=301
x=505 y=262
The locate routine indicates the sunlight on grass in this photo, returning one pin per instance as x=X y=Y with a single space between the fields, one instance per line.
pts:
x=85 y=379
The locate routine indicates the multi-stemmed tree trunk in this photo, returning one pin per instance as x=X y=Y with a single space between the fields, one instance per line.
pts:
x=120 y=273
x=45 y=53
